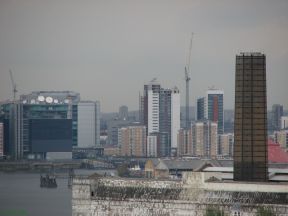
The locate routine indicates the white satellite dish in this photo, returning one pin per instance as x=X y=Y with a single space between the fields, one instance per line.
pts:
x=32 y=101
x=41 y=98
x=24 y=101
x=56 y=101
x=49 y=99
x=66 y=101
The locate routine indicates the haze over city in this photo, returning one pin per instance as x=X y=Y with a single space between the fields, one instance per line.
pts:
x=107 y=50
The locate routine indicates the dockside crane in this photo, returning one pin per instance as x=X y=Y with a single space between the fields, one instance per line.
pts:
x=13 y=85
x=187 y=79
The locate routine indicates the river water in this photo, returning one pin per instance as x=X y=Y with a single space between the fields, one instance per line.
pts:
x=21 y=195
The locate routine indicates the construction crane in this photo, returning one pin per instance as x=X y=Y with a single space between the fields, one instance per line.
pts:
x=13 y=85
x=187 y=79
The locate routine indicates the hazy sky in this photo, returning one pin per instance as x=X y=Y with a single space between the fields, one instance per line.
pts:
x=106 y=50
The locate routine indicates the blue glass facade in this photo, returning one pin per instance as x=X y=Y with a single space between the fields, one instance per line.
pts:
x=201 y=109
x=215 y=110
x=50 y=135
x=74 y=125
x=52 y=106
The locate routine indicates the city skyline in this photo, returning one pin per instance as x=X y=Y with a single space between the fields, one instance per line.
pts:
x=87 y=47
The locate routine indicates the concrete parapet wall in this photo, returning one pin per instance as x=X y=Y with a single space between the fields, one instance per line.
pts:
x=192 y=196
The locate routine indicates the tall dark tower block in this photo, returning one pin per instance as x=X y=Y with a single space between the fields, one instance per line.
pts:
x=250 y=148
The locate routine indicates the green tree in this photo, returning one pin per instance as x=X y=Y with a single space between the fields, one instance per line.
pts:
x=123 y=170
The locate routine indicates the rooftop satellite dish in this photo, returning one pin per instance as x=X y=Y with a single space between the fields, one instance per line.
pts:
x=32 y=101
x=49 y=99
x=56 y=101
x=41 y=98
x=24 y=101
x=66 y=101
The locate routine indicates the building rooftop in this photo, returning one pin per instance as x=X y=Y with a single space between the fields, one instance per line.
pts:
x=275 y=153
x=251 y=54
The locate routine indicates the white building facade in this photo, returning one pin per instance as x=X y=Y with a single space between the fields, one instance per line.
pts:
x=88 y=124
x=153 y=111
x=151 y=146
x=284 y=122
x=175 y=116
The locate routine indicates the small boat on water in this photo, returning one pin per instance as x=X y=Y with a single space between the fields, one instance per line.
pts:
x=48 y=181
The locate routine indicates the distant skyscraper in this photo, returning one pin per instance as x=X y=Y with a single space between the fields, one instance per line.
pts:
x=175 y=117
x=161 y=114
x=1 y=139
x=250 y=130
x=284 y=122
x=277 y=112
x=211 y=108
x=123 y=112
x=165 y=110
x=151 y=106
x=215 y=110
x=88 y=124
x=201 y=108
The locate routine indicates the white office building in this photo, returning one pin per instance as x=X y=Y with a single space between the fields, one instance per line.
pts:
x=88 y=124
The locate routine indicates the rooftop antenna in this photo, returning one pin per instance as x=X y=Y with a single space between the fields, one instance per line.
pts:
x=13 y=85
x=187 y=79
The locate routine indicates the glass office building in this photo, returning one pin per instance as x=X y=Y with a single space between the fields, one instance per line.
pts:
x=250 y=130
x=52 y=113
x=215 y=109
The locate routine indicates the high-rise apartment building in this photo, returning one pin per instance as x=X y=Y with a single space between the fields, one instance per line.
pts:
x=284 y=122
x=201 y=109
x=215 y=109
x=277 y=113
x=151 y=106
x=175 y=118
x=250 y=130
x=161 y=114
x=211 y=108
x=185 y=143
x=205 y=138
x=225 y=146
x=165 y=110
x=152 y=145
x=281 y=137
x=1 y=139
x=132 y=141
x=112 y=130
x=199 y=141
